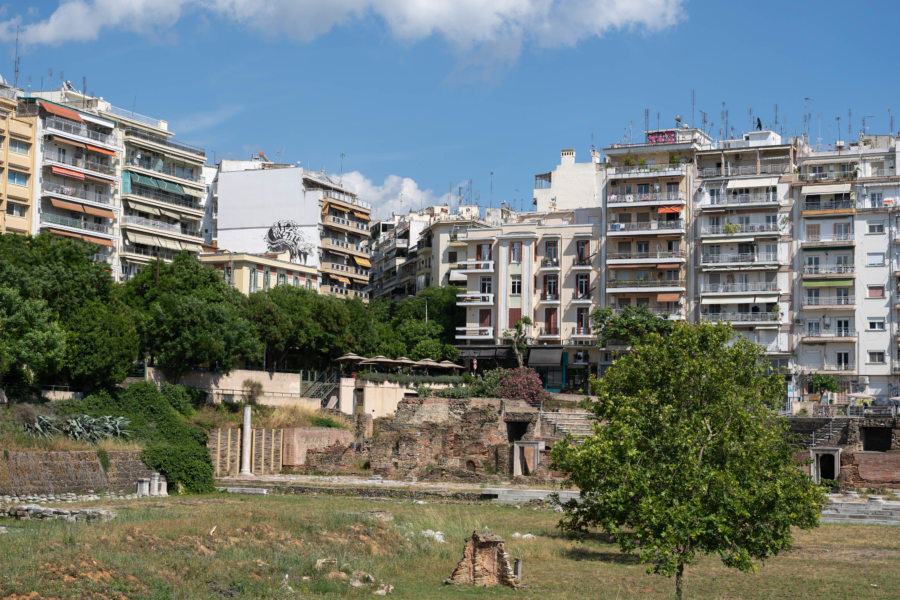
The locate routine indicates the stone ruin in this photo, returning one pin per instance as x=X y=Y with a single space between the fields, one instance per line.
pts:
x=485 y=563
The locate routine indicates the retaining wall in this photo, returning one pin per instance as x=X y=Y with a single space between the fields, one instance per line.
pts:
x=24 y=473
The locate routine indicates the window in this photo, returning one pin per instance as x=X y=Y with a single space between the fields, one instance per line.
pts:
x=551 y=287
x=451 y=257
x=515 y=252
x=309 y=284
x=582 y=286
x=282 y=279
x=877 y=227
x=296 y=281
x=266 y=280
x=19 y=147
x=876 y=357
x=486 y=285
x=876 y=291
x=842 y=359
x=16 y=210
x=813 y=328
x=875 y=259
x=876 y=323
x=17 y=178
x=227 y=274
x=254 y=279
x=515 y=285
x=876 y=199
x=843 y=327
x=582 y=320
x=582 y=252
x=551 y=248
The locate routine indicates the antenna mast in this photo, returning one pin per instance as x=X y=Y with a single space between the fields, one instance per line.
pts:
x=18 y=61
x=693 y=104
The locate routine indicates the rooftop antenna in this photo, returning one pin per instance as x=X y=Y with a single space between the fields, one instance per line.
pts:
x=646 y=119
x=341 y=177
x=891 y=119
x=838 y=119
x=806 y=117
x=776 y=117
x=630 y=131
x=703 y=115
x=83 y=91
x=722 y=134
x=492 y=189
x=864 y=129
x=750 y=115
x=849 y=124
x=693 y=104
x=17 y=63
x=657 y=119
x=819 y=139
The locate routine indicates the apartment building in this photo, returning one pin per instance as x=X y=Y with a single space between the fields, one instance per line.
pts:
x=18 y=147
x=647 y=219
x=307 y=214
x=571 y=185
x=249 y=273
x=543 y=266
x=393 y=275
x=743 y=248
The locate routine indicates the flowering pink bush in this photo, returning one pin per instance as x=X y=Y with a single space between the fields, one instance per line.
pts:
x=521 y=384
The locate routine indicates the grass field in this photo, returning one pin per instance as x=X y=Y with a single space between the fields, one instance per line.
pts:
x=267 y=547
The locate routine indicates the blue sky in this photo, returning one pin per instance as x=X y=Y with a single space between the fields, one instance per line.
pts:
x=422 y=96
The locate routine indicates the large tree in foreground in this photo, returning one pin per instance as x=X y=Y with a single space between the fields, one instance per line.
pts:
x=689 y=458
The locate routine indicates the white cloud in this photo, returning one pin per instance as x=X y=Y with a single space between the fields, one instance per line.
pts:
x=203 y=121
x=396 y=195
x=495 y=29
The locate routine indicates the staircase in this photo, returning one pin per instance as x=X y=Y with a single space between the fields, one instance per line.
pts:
x=829 y=434
x=323 y=387
x=876 y=511
x=577 y=424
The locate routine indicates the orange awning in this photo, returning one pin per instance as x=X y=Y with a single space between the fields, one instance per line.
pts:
x=100 y=150
x=634 y=266
x=98 y=241
x=65 y=233
x=669 y=209
x=59 y=111
x=667 y=297
x=67 y=173
x=99 y=212
x=97 y=179
x=662 y=266
x=343 y=280
x=61 y=140
x=66 y=205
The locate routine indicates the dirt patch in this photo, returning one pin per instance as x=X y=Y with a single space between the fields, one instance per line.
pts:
x=840 y=553
x=375 y=538
x=88 y=574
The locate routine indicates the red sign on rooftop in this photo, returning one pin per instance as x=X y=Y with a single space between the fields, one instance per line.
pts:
x=661 y=137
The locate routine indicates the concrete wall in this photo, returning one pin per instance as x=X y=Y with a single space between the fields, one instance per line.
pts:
x=25 y=473
x=279 y=389
x=297 y=440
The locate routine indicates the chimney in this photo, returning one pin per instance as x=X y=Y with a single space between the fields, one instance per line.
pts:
x=567 y=157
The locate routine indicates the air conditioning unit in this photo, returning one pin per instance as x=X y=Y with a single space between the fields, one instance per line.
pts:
x=864 y=380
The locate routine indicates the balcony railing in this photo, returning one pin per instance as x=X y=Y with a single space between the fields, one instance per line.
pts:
x=841 y=332
x=727 y=288
x=647 y=226
x=742 y=257
x=549 y=332
x=645 y=255
x=81 y=163
x=828 y=269
x=622 y=198
x=740 y=229
x=837 y=366
x=74 y=223
x=645 y=283
x=474 y=298
x=582 y=332
x=158 y=225
x=550 y=296
x=355 y=247
x=165 y=170
x=828 y=237
x=475 y=332
x=828 y=176
x=72 y=128
x=583 y=297
x=764 y=169
x=739 y=199
x=137 y=190
x=347 y=222
x=166 y=142
x=741 y=317
x=549 y=263
x=828 y=300
x=653 y=170
x=343 y=197
x=151 y=252
x=476 y=265
x=74 y=192
x=829 y=205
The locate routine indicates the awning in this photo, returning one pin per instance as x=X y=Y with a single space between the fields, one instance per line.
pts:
x=545 y=357
x=140 y=238
x=191 y=247
x=61 y=140
x=756 y=182
x=728 y=240
x=816 y=283
x=142 y=180
x=194 y=193
x=67 y=173
x=668 y=209
x=66 y=205
x=145 y=208
x=170 y=213
x=766 y=299
x=834 y=188
x=100 y=150
x=343 y=280
x=65 y=233
x=363 y=262
x=99 y=212
x=340 y=208
x=169 y=244
x=59 y=111
x=360 y=215
x=456 y=276
x=325 y=207
x=668 y=266
x=729 y=300
x=667 y=297
x=96 y=240
x=168 y=186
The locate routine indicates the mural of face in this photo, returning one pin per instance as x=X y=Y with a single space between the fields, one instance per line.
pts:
x=286 y=236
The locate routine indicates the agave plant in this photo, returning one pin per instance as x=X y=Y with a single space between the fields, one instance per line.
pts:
x=42 y=426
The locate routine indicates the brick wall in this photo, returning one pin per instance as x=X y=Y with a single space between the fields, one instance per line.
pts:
x=25 y=473
x=871 y=469
x=298 y=440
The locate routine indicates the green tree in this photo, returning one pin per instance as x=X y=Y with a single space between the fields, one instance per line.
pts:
x=101 y=344
x=689 y=458
x=821 y=382
x=517 y=336
x=628 y=327
x=272 y=325
x=440 y=307
x=30 y=341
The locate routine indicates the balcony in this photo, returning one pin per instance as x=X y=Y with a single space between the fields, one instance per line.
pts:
x=148 y=165
x=326 y=195
x=475 y=333
x=739 y=201
x=840 y=334
x=644 y=257
x=585 y=298
x=66 y=127
x=475 y=299
x=51 y=219
x=830 y=205
x=582 y=332
x=647 y=227
x=476 y=266
x=341 y=246
x=549 y=298
x=767 y=229
x=582 y=263
x=648 y=199
x=828 y=270
x=171 y=228
x=740 y=259
x=774 y=168
x=829 y=176
x=827 y=239
x=147 y=253
x=836 y=367
x=198 y=153
x=645 y=171
x=548 y=332
x=624 y=286
x=738 y=288
x=95 y=167
x=756 y=318
x=549 y=264
x=828 y=301
x=148 y=194
x=53 y=188
x=354 y=226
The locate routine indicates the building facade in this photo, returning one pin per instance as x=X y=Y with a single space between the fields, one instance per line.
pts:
x=249 y=273
x=18 y=148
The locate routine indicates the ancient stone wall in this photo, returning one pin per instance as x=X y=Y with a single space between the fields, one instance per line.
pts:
x=266 y=452
x=871 y=469
x=25 y=473
x=298 y=440
x=225 y=451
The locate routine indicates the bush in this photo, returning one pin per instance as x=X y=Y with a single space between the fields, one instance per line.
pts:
x=325 y=421
x=457 y=392
x=486 y=386
x=178 y=398
x=186 y=464
x=522 y=384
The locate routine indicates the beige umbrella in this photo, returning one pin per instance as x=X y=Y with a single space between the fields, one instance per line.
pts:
x=427 y=362
x=407 y=362
x=350 y=357
x=378 y=360
x=450 y=365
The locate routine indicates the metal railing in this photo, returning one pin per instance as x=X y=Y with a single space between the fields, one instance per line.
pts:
x=582 y=331
x=841 y=332
x=158 y=225
x=343 y=197
x=475 y=332
x=550 y=296
x=828 y=176
x=152 y=252
x=739 y=199
x=741 y=317
x=52 y=219
x=828 y=269
x=828 y=237
x=829 y=205
x=623 y=197
x=476 y=265
x=348 y=246
x=165 y=170
x=67 y=190
x=347 y=222
x=72 y=128
x=774 y=168
x=81 y=163
x=739 y=229
x=474 y=298
x=828 y=300
x=143 y=192
x=725 y=288
x=166 y=142
x=549 y=263
x=130 y=114
x=642 y=283
x=739 y=258
x=647 y=226
x=647 y=255
x=652 y=170
x=548 y=332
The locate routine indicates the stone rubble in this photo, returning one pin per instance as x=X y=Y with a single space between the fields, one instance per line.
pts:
x=485 y=563
x=25 y=512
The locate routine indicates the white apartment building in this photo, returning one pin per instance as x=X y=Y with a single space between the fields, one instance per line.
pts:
x=570 y=185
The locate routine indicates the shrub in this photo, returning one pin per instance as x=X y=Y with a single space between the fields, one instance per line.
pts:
x=186 y=464
x=252 y=391
x=325 y=421
x=486 y=386
x=457 y=392
x=178 y=398
x=521 y=384
x=103 y=456
x=423 y=391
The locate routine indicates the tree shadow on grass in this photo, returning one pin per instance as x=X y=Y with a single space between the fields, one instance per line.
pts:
x=581 y=553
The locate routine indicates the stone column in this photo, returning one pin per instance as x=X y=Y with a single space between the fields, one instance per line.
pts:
x=246 y=447
x=154 y=484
